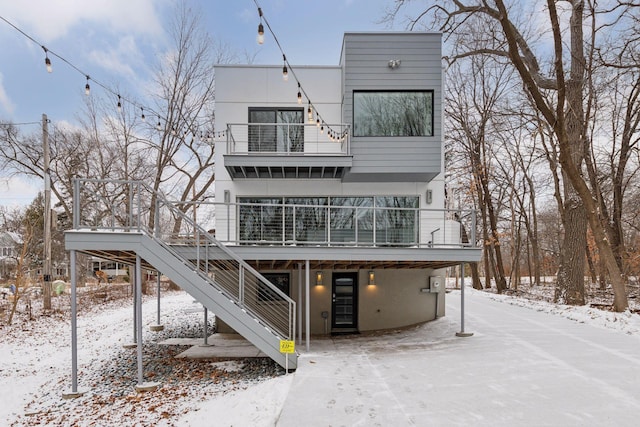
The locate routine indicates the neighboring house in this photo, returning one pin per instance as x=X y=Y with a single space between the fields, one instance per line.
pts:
x=329 y=213
x=9 y=250
x=349 y=179
x=110 y=268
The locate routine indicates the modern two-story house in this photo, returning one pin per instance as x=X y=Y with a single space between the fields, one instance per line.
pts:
x=337 y=172
x=329 y=210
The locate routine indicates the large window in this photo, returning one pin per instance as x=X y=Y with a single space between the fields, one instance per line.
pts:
x=406 y=113
x=282 y=131
x=385 y=220
x=260 y=220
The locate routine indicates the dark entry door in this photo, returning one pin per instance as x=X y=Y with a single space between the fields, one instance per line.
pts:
x=344 y=306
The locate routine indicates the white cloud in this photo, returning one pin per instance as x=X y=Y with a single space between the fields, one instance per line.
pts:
x=49 y=20
x=5 y=101
x=17 y=191
x=120 y=59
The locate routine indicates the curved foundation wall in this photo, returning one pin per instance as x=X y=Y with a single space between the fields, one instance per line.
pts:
x=398 y=298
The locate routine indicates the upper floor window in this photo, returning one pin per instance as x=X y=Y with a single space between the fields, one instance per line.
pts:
x=276 y=130
x=393 y=113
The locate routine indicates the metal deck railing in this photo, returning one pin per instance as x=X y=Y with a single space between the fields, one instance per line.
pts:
x=325 y=225
x=126 y=206
x=288 y=139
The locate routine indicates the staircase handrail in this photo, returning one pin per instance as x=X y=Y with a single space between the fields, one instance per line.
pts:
x=135 y=222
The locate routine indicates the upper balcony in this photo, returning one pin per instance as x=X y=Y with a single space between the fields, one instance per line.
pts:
x=287 y=150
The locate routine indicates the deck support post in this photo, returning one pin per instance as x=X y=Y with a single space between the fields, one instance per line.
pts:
x=307 y=304
x=141 y=386
x=462 y=333
x=74 y=332
x=299 y=303
x=158 y=326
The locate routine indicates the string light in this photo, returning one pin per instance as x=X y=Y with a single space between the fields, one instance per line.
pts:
x=49 y=54
x=47 y=61
x=260 y=38
x=142 y=114
x=285 y=72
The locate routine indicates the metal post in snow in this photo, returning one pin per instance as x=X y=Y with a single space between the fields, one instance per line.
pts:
x=74 y=333
x=306 y=308
x=206 y=328
x=157 y=327
x=300 y=303
x=141 y=386
x=74 y=326
x=158 y=292
x=138 y=320
x=133 y=279
x=462 y=333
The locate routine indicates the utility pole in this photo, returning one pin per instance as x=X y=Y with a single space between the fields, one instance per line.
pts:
x=46 y=273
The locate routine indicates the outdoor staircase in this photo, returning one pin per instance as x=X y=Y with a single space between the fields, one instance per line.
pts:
x=205 y=268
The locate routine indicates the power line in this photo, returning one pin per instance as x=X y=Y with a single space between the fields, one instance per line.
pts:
x=104 y=86
x=288 y=69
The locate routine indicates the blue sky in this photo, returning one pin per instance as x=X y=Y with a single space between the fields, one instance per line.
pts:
x=117 y=42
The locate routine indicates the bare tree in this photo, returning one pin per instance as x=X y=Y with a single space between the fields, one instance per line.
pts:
x=471 y=98
x=184 y=157
x=558 y=97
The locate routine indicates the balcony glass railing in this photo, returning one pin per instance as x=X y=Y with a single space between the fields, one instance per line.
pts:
x=288 y=139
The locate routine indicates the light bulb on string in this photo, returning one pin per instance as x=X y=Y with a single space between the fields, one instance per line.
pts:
x=260 y=38
x=87 y=88
x=285 y=71
x=119 y=104
x=142 y=114
x=299 y=94
x=47 y=61
x=159 y=125
x=322 y=128
x=318 y=122
x=309 y=111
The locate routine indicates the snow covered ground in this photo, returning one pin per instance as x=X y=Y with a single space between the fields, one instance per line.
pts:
x=528 y=363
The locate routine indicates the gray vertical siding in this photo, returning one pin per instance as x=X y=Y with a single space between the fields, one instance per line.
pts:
x=365 y=58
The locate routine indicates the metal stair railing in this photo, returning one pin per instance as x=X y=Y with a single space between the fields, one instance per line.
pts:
x=234 y=277
x=120 y=205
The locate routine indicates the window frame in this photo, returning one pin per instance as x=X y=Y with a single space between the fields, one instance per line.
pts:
x=298 y=143
x=430 y=117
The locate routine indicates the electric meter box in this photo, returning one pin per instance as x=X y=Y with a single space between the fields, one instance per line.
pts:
x=436 y=284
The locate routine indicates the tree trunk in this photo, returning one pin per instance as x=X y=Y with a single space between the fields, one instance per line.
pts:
x=475 y=276
x=592 y=267
x=566 y=128
x=570 y=288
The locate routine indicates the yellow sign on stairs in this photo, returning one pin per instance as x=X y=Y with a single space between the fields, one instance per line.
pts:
x=287 y=346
